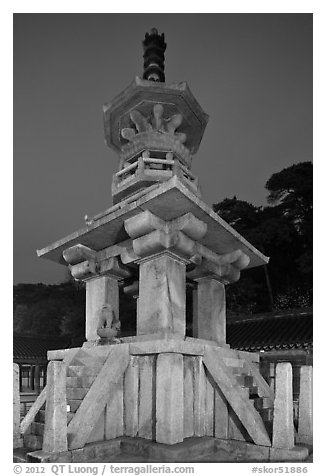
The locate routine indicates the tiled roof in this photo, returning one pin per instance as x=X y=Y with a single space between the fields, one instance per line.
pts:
x=285 y=330
x=30 y=349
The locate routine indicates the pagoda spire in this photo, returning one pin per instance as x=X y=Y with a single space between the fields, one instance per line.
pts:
x=154 y=48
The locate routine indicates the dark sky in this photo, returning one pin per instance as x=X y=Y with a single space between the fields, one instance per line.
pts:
x=252 y=73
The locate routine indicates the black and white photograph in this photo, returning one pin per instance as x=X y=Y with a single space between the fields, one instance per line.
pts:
x=162 y=241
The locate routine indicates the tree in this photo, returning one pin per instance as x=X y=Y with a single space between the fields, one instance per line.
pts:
x=282 y=231
x=291 y=191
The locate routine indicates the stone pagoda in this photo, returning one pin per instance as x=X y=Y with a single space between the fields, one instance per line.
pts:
x=160 y=393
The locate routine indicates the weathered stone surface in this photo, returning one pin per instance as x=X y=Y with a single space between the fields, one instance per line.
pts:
x=162 y=296
x=209 y=319
x=199 y=397
x=297 y=453
x=16 y=407
x=99 y=291
x=236 y=430
x=188 y=396
x=209 y=408
x=238 y=451
x=167 y=201
x=146 y=415
x=175 y=98
x=114 y=412
x=305 y=423
x=221 y=415
x=283 y=428
x=101 y=392
x=163 y=346
x=55 y=429
x=78 y=253
x=169 y=398
x=29 y=417
x=131 y=397
x=97 y=433
x=232 y=392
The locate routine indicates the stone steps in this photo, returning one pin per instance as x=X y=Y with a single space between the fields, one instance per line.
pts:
x=33 y=442
x=83 y=371
x=245 y=380
x=74 y=404
x=76 y=393
x=37 y=428
x=80 y=381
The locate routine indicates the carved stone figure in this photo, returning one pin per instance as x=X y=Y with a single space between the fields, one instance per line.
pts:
x=108 y=325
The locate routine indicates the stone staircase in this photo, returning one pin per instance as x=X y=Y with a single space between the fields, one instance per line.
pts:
x=250 y=387
x=81 y=373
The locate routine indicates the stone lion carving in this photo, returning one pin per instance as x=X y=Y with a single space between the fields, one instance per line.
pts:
x=108 y=325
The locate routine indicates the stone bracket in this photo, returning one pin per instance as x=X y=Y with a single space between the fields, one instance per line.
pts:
x=152 y=235
x=83 y=269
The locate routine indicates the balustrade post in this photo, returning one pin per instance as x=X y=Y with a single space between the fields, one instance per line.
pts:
x=305 y=405
x=16 y=401
x=283 y=427
x=55 y=428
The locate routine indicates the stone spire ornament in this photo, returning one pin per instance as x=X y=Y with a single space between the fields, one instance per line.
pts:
x=154 y=48
x=154 y=127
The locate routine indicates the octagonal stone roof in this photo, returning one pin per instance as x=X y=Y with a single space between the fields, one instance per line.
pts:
x=142 y=95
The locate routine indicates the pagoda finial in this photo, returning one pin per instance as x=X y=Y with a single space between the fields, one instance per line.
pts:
x=154 y=48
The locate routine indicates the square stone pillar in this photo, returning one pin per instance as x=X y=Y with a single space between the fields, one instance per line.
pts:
x=99 y=290
x=209 y=310
x=169 y=398
x=305 y=406
x=162 y=295
x=55 y=428
x=283 y=427
x=16 y=401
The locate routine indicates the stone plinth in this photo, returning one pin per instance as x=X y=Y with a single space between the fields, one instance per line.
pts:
x=283 y=428
x=162 y=296
x=209 y=319
x=305 y=406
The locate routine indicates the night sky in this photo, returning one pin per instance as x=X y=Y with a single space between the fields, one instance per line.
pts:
x=252 y=73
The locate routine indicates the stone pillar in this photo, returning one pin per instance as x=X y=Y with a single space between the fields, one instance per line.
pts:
x=55 y=428
x=16 y=402
x=162 y=295
x=169 y=398
x=99 y=290
x=31 y=377
x=37 y=379
x=209 y=314
x=283 y=427
x=305 y=406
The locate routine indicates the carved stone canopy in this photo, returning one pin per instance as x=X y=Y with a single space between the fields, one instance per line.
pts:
x=141 y=95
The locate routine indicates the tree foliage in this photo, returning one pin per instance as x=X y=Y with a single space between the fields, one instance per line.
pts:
x=283 y=231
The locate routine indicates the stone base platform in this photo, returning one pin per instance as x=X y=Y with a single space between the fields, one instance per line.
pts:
x=191 y=450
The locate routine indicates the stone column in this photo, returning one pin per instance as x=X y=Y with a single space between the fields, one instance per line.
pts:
x=31 y=378
x=37 y=378
x=55 y=428
x=162 y=295
x=283 y=427
x=101 y=275
x=305 y=406
x=169 y=398
x=16 y=402
x=209 y=314
x=99 y=290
